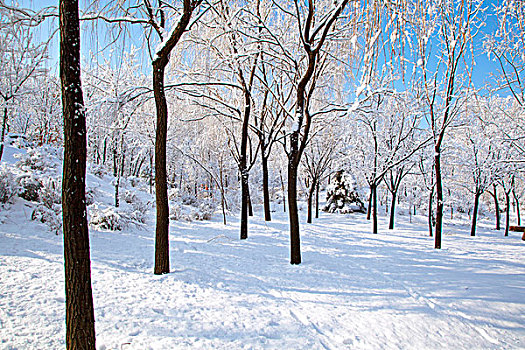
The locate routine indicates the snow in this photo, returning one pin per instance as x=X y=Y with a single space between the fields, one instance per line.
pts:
x=354 y=289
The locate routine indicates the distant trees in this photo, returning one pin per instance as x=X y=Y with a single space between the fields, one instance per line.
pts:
x=455 y=24
x=21 y=59
x=314 y=86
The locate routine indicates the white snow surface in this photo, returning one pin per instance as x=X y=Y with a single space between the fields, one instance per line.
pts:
x=354 y=289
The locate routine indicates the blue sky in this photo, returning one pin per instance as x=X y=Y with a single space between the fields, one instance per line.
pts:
x=91 y=43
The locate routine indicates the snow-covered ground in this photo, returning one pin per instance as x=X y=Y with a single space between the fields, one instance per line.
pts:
x=354 y=290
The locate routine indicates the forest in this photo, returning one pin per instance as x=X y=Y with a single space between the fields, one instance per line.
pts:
x=257 y=133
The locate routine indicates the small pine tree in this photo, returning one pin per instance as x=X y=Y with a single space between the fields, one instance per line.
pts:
x=342 y=196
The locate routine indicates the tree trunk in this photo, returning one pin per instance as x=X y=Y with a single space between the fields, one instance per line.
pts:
x=80 y=318
x=439 y=198
x=162 y=255
x=507 y=213
x=475 y=214
x=282 y=189
x=2 y=135
x=374 y=209
x=392 y=210
x=244 y=205
x=310 y=200
x=496 y=207
x=250 y=207
x=317 y=200
x=430 y=212
x=517 y=208
x=266 y=190
x=116 y=175
x=369 y=210
x=295 y=241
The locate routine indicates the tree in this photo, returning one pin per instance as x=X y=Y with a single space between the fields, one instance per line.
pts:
x=80 y=318
x=506 y=47
x=318 y=157
x=455 y=24
x=159 y=63
x=20 y=61
x=155 y=21
x=313 y=33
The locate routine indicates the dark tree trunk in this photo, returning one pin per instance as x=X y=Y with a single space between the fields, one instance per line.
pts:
x=310 y=200
x=80 y=318
x=430 y=213
x=162 y=255
x=475 y=214
x=2 y=135
x=392 y=210
x=244 y=205
x=496 y=207
x=439 y=199
x=250 y=206
x=295 y=241
x=266 y=190
x=369 y=210
x=517 y=208
x=282 y=189
x=374 y=208
x=317 y=200
x=507 y=213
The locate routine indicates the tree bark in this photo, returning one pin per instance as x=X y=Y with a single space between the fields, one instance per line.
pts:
x=439 y=199
x=266 y=190
x=517 y=208
x=162 y=255
x=282 y=189
x=392 y=211
x=317 y=200
x=2 y=135
x=311 y=191
x=475 y=214
x=295 y=241
x=496 y=207
x=507 y=213
x=244 y=205
x=374 y=209
x=430 y=212
x=80 y=317
x=369 y=210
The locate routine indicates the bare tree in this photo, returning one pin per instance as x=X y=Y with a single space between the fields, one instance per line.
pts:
x=20 y=58
x=80 y=319
x=455 y=25
x=313 y=33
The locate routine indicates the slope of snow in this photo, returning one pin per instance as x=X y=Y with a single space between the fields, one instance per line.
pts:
x=354 y=290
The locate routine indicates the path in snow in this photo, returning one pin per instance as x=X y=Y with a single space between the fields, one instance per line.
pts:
x=355 y=290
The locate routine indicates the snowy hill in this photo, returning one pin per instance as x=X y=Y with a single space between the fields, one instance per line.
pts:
x=355 y=290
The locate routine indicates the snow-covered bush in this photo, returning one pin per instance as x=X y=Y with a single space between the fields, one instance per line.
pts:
x=342 y=195
x=29 y=187
x=35 y=159
x=49 y=192
x=51 y=216
x=190 y=213
x=106 y=219
x=176 y=211
x=9 y=187
x=204 y=211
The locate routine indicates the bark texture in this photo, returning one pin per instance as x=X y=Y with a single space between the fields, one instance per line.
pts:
x=80 y=319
